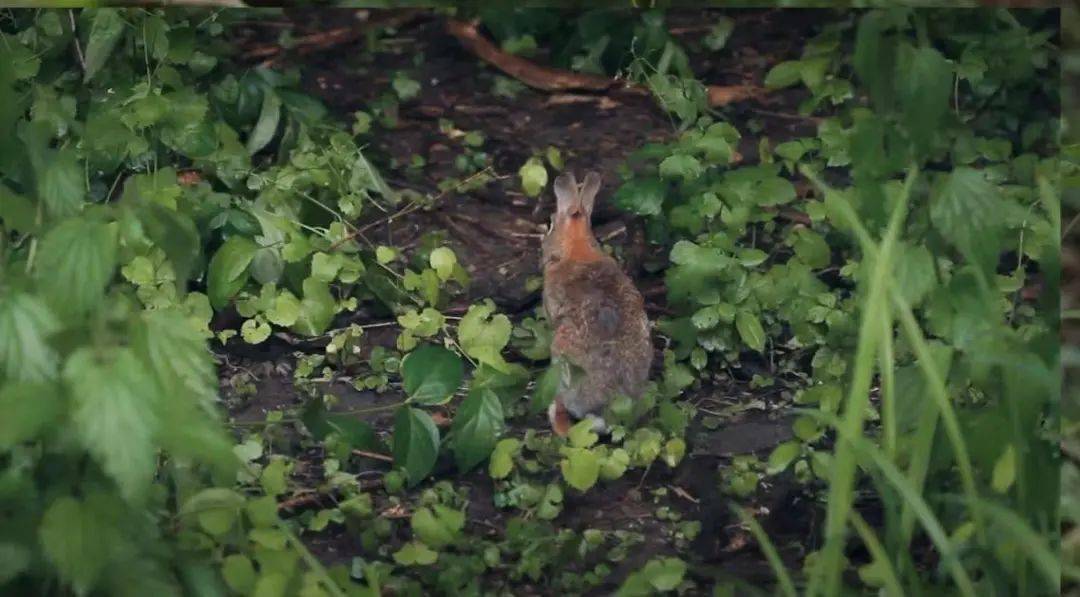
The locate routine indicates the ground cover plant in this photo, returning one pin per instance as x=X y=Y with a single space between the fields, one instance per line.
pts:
x=270 y=324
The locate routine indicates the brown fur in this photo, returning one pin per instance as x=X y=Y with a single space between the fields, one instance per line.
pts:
x=597 y=313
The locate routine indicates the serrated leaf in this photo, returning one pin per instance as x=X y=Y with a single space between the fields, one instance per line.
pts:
x=175 y=234
x=923 y=85
x=476 y=427
x=750 y=330
x=644 y=197
x=686 y=167
x=966 y=209
x=914 y=272
x=227 y=272
x=105 y=31
x=431 y=374
x=811 y=248
x=25 y=326
x=115 y=414
x=29 y=408
x=416 y=443
x=76 y=262
x=72 y=536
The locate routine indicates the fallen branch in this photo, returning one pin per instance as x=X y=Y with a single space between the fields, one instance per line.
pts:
x=325 y=40
x=547 y=78
x=529 y=73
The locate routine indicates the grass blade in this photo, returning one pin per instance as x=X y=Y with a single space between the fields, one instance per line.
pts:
x=877 y=551
x=842 y=479
x=787 y=587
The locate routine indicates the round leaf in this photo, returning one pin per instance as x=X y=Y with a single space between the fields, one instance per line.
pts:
x=416 y=443
x=431 y=374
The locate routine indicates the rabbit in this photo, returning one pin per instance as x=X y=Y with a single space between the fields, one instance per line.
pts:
x=601 y=334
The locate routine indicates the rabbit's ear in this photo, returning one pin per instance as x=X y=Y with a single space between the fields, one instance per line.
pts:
x=588 y=191
x=566 y=192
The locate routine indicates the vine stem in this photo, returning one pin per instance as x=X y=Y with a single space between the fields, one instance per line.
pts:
x=75 y=35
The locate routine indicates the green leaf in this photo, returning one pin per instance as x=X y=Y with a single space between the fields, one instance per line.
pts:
x=483 y=334
x=254 y=331
x=62 y=184
x=30 y=409
x=115 y=414
x=431 y=374
x=784 y=74
x=544 y=391
x=415 y=553
x=665 y=574
x=216 y=509
x=438 y=526
x=227 y=272
x=274 y=478
x=502 y=457
x=580 y=467
x=1004 y=474
x=750 y=330
x=76 y=262
x=678 y=165
x=267 y=125
x=317 y=308
x=443 y=261
x=105 y=33
x=76 y=540
x=782 y=456
x=285 y=310
x=581 y=435
x=25 y=327
x=924 y=84
x=14 y=560
x=424 y=324
x=476 y=427
x=17 y=213
x=642 y=196
x=534 y=176
x=416 y=443
x=914 y=272
x=238 y=572
x=811 y=248
x=967 y=210
x=175 y=234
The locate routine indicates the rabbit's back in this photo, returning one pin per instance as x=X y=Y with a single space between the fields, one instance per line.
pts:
x=600 y=326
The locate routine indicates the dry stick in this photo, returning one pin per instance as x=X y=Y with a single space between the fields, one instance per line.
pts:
x=553 y=79
x=372 y=455
x=325 y=40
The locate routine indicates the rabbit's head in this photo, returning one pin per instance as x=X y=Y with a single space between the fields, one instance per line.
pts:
x=570 y=234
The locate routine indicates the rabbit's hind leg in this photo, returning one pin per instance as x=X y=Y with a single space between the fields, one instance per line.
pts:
x=559 y=418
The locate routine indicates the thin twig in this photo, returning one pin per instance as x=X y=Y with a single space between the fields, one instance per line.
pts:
x=373 y=455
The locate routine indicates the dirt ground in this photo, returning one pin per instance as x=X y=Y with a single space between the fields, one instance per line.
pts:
x=495 y=231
